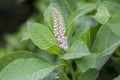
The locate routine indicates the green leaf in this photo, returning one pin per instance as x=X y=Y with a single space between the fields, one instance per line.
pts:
x=110 y=29
x=114 y=23
x=118 y=78
x=101 y=61
x=104 y=44
x=77 y=50
x=81 y=11
x=93 y=32
x=106 y=41
x=86 y=62
x=5 y=60
x=91 y=74
x=48 y=16
x=77 y=14
x=55 y=76
x=82 y=29
x=51 y=76
x=113 y=1
x=27 y=69
x=115 y=28
x=113 y=8
x=102 y=15
x=43 y=37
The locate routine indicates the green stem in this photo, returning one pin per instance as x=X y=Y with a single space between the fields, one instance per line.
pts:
x=66 y=77
x=64 y=72
x=71 y=70
x=77 y=71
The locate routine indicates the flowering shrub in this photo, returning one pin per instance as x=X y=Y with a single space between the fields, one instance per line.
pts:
x=73 y=42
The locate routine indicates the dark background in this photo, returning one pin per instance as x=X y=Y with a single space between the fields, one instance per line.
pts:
x=13 y=13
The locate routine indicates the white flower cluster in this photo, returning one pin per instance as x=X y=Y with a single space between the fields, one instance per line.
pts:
x=59 y=30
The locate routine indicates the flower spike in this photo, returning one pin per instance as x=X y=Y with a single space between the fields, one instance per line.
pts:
x=59 y=30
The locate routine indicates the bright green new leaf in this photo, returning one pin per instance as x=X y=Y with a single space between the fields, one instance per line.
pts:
x=77 y=50
x=91 y=74
x=43 y=37
x=27 y=69
x=102 y=15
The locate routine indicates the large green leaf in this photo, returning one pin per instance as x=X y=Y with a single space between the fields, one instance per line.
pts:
x=105 y=44
x=108 y=36
x=27 y=69
x=106 y=41
x=86 y=62
x=77 y=50
x=91 y=74
x=43 y=37
x=5 y=60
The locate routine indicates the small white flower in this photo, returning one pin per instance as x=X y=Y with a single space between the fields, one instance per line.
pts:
x=59 y=30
